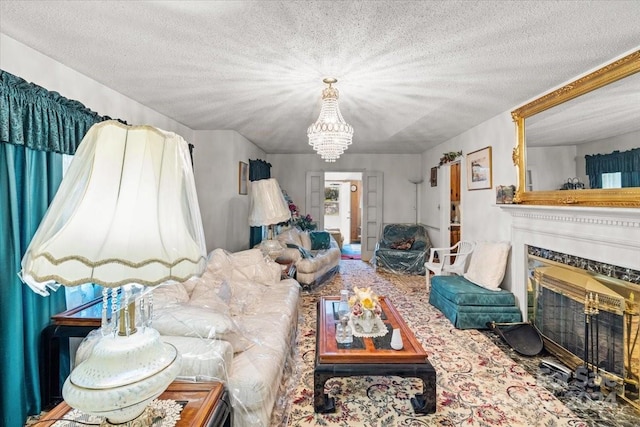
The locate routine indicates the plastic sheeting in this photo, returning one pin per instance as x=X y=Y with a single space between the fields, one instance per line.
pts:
x=236 y=324
x=402 y=249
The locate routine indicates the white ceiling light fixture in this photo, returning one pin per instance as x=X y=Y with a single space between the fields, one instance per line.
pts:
x=330 y=135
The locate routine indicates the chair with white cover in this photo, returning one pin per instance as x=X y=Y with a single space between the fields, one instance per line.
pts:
x=453 y=260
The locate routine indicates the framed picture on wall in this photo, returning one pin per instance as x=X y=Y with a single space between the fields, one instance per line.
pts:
x=332 y=193
x=331 y=208
x=434 y=176
x=243 y=178
x=479 y=169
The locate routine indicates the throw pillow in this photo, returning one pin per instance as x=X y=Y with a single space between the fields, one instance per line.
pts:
x=207 y=297
x=249 y=264
x=192 y=321
x=320 y=240
x=488 y=264
x=199 y=322
x=291 y=235
x=169 y=294
x=303 y=252
x=242 y=296
x=402 y=245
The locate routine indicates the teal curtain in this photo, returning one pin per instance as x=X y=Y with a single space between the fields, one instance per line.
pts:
x=35 y=127
x=28 y=182
x=625 y=162
x=258 y=169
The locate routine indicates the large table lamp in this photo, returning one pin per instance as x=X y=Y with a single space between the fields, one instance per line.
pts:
x=267 y=207
x=125 y=217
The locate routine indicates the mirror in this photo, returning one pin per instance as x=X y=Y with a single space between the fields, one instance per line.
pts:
x=597 y=114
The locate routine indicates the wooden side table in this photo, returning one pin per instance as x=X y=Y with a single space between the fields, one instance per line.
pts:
x=207 y=405
x=76 y=322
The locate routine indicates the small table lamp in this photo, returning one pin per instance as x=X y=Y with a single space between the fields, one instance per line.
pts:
x=126 y=215
x=268 y=207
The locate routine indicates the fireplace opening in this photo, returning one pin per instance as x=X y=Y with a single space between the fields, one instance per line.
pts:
x=587 y=319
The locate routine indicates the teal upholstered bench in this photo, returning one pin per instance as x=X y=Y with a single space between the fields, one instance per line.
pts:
x=470 y=306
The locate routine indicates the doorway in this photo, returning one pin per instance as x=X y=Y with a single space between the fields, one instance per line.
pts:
x=343 y=211
x=455 y=225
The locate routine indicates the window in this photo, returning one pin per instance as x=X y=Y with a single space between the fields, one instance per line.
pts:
x=612 y=180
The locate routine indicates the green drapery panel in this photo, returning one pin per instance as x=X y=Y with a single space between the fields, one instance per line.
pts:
x=258 y=169
x=39 y=119
x=625 y=162
x=28 y=182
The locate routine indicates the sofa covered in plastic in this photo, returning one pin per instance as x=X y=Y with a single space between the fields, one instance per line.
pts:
x=236 y=324
x=314 y=264
x=402 y=249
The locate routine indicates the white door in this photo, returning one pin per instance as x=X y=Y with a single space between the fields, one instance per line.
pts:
x=314 y=198
x=371 y=213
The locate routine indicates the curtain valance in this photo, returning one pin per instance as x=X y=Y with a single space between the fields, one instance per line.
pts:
x=40 y=119
x=625 y=162
x=259 y=169
x=618 y=161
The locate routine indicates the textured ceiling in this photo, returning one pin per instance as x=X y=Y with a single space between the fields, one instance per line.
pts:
x=411 y=74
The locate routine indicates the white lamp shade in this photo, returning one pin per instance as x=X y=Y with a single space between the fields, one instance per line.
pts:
x=267 y=205
x=126 y=212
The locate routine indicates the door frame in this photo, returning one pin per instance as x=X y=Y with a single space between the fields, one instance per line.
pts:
x=372 y=205
x=444 y=177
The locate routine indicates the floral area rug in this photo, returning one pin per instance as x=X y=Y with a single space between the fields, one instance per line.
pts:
x=477 y=384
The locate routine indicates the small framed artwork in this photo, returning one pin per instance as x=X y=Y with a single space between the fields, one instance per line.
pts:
x=479 y=169
x=434 y=176
x=331 y=208
x=243 y=178
x=332 y=193
x=504 y=194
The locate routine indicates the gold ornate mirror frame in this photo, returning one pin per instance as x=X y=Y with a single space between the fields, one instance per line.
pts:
x=624 y=197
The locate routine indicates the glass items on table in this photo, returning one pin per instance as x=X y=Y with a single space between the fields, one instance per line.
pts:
x=396 y=340
x=344 y=334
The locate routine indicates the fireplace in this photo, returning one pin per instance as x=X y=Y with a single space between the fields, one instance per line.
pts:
x=587 y=318
x=599 y=248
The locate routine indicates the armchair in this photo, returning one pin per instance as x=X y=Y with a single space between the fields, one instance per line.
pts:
x=402 y=249
x=452 y=260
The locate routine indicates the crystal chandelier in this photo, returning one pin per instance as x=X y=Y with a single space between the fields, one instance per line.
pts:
x=330 y=135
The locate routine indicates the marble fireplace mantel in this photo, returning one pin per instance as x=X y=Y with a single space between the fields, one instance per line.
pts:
x=608 y=235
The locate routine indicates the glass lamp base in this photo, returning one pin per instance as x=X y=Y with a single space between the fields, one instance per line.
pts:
x=122 y=376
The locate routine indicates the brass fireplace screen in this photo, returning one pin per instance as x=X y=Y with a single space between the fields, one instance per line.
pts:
x=588 y=320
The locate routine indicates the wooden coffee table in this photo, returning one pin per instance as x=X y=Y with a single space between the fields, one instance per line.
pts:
x=369 y=356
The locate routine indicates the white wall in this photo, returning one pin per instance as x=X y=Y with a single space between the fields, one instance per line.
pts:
x=481 y=218
x=225 y=213
x=399 y=193
x=551 y=167
x=429 y=199
x=29 y=64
